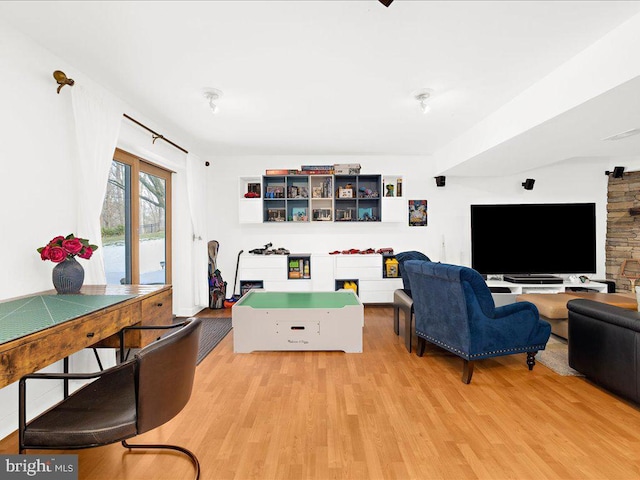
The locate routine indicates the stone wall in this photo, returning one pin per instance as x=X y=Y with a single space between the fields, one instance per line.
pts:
x=622 y=230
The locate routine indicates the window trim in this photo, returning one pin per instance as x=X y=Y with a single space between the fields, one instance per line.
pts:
x=137 y=165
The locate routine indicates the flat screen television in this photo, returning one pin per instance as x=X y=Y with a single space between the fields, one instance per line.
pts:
x=550 y=238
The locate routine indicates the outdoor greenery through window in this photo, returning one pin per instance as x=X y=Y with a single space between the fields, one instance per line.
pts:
x=136 y=222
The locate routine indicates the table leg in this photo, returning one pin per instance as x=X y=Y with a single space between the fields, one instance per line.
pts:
x=65 y=364
x=396 y=319
x=408 y=317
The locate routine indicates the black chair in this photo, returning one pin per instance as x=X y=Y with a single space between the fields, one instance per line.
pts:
x=402 y=300
x=124 y=401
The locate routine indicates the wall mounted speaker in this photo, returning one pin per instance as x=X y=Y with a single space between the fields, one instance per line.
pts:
x=618 y=172
x=440 y=180
x=528 y=183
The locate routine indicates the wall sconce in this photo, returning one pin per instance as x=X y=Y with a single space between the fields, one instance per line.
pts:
x=212 y=94
x=528 y=183
x=618 y=172
x=62 y=80
x=440 y=180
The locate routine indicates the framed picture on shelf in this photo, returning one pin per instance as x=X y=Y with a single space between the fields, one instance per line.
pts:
x=417 y=213
x=344 y=215
x=253 y=188
x=322 y=214
x=274 y=192
x=365 y=214
x=276 y=215
x=299 y=214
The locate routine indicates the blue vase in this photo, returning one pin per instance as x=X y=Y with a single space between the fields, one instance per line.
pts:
x=68 y=276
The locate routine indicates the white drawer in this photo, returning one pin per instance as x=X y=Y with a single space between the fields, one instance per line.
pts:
x=289 y=286
x=359 y=261
x=376 y=296
x=263 y=274
x=367 y=273
x=263 y=261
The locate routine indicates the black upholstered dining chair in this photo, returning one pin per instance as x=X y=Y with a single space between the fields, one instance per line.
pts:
x=123 y=401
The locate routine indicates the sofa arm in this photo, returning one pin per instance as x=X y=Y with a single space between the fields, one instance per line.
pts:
x=621 y=317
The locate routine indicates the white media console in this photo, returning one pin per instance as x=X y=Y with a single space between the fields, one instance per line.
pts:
x=516 y=289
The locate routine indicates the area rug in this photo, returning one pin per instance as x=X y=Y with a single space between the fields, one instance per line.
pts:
x=556 y=357
x=212 y=332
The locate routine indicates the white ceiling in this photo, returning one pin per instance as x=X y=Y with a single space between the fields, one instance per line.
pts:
x=317 y=77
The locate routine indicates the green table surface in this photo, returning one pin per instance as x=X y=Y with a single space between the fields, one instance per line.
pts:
x=255 y=299
x=31 y=314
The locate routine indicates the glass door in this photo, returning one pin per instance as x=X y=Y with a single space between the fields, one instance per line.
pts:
x=136 y=222
x=152 y=233
x=116 y=225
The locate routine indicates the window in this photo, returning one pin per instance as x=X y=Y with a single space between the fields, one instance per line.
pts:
x=136 y=222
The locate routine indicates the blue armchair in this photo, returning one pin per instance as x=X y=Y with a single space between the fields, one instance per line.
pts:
x=454 y=310
x=402 y=297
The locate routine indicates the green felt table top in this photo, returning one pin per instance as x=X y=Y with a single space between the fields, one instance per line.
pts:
x=257 y=299
x=31 y=314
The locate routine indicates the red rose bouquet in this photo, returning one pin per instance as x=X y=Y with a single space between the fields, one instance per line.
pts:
x=61 y=248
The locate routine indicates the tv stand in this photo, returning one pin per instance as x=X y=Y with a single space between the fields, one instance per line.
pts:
x=537 y=279
x=500 y=288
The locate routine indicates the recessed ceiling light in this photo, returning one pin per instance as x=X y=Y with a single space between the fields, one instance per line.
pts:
x=621 y=135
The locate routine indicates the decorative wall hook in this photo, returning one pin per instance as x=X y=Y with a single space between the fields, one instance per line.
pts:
x=62 y=79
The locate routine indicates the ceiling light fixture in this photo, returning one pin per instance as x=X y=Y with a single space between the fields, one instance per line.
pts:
x=423 y=96
x=621 y=135
x=212 y=94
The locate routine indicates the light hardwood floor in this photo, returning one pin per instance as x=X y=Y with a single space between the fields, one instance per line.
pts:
x=382 y=414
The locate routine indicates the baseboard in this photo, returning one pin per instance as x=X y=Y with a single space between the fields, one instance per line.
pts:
x=188 y=312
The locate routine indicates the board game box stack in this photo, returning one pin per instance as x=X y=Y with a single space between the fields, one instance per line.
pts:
x=337 y=169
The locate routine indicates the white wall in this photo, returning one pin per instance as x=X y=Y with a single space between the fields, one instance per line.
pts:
x=447 y=236
x=37 y=186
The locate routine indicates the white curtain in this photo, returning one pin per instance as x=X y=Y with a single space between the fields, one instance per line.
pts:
x=98 y=117
x=196 y=181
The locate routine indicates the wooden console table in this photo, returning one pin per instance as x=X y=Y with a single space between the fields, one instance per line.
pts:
x=89 y=326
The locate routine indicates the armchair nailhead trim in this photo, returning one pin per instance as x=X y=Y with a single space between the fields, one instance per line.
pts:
x=464 y=355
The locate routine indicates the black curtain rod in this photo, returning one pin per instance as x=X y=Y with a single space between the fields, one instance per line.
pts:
x=156 y=135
